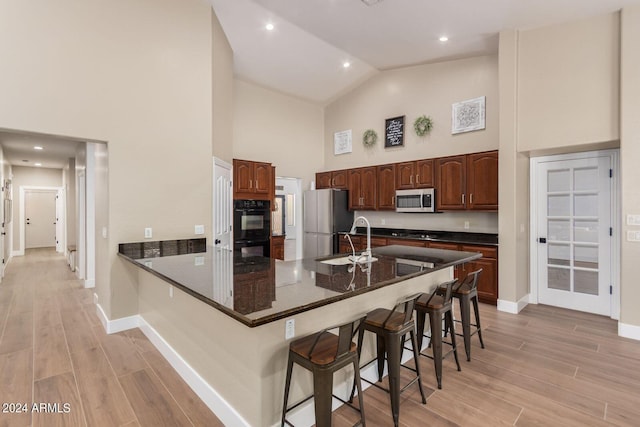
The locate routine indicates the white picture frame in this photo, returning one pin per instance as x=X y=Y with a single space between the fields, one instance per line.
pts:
x=467 y=116
x=342 y=142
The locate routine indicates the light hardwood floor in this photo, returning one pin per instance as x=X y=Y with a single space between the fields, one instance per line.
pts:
x=53 y=349
x=545 y=367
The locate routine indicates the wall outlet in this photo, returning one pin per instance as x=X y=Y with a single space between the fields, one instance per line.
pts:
x=148 y=233
x=289 y=329
x=466 y=225
x=199 y=229
x=104 y=232
x=170 y=291
x=199 y=260
x=383 y=221
x=633 y=236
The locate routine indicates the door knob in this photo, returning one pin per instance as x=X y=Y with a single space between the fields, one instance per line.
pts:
x=542 y=240
x=217 y=241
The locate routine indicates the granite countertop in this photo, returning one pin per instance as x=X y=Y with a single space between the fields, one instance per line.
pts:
x=434 y=236
x=258 y=290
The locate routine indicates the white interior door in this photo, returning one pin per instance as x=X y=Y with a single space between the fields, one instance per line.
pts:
x=40 y=219
x=574 y=233
x=222 y=205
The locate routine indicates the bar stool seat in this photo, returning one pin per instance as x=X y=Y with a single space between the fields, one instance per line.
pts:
x=324 y=353
x=467 y=294
x=390 y=328
x=438 y=306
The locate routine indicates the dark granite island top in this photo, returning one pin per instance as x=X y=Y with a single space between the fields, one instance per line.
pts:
x=258 y=290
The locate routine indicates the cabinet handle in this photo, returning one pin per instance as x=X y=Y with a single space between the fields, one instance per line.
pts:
x=471 y=198
x=250 y=183
x=333 y=182
x=463 y=198
x=417 y=179
x=393 y=201
x=411 y=179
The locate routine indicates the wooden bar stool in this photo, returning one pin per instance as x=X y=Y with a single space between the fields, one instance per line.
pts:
x=324 y=353
x=438 y=306
x=391 y=327
x=467 y=292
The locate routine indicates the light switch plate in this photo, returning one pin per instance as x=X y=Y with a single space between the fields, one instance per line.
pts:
x=633 y=236
x=199 y=229
x=289 y=329
x=633 y=219
x=148 y=233
x=199 y=260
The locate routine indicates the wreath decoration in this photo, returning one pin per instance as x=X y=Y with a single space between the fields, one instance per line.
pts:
x=423 y=125
x=369 y=138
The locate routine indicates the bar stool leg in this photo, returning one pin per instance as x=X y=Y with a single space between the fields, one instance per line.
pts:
x=465 y=313
x=451 y=327
x=380 y=342
x=416 y=355
x=286 y=389
x=393 y=362
x=360 y=340
x=436 y=341
x=420 y=320
x=358 y=384
x=322 y=396
x=475 y=308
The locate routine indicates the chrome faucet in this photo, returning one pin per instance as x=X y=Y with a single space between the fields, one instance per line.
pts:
x=367 y=252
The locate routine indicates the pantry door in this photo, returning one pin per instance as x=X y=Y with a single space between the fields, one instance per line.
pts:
x=574 y=237
x=40 y=218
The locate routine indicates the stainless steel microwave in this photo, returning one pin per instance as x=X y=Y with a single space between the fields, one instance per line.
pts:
x=418 y=200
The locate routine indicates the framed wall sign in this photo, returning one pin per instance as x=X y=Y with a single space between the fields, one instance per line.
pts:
x=394 y=132
x=342 y=142
x=468 y=115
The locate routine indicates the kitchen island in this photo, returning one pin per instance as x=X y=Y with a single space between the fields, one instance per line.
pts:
x=220 y=319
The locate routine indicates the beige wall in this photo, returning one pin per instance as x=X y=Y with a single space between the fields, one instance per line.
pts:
x=222 y=86
x=568 y=82
x=34 y=177
x=276 y=128
x=137 y=75
x=69 y=173
x=414 y=91
x=629 y=159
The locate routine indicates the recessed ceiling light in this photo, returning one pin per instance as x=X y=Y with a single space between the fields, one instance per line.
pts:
x=38 y=164
x=269 y=27
x=443 y=38
x=346 y=64
x=37 y=147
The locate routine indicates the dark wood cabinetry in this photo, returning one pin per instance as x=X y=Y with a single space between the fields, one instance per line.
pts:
x=277 y=247
x=387 y=187
x=252 y=180
x=332 y=179
x=417 y=174
x=406 y=242
x=254 y=291
x=362 y=185
x=467 y=182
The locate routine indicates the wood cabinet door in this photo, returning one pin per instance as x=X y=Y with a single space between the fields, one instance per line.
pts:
x=482 y=181
x=242 y=176
x=406 y=242
x=405 y=175
x=339 y=179
x=369 y=188
x=377 y=242
x=262 y=178
x=450 y=183
x=355 y=189
x=424 y=173
x=488 y=280
x=323 y=180
x=387 y=187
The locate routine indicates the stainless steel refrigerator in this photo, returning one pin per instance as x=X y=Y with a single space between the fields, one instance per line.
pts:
x=326 y=213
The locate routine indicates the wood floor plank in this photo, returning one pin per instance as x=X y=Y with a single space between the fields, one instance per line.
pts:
x=140 y=340
x=47 y=313
x=122 y=353
x=16 y=382
x=51 y=355
x=18 y=333
x=196 y=410
x=57 y=401
x=152 y=404
x=102 y=396
x=78 y=332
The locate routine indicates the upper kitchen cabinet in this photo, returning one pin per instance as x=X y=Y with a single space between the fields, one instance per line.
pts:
x=252 y=180
x=482 y=181
x=467 y=182
x=416 y=174
x=451 y=183
x=362 y=186
x=387 y=187
x=332 y=179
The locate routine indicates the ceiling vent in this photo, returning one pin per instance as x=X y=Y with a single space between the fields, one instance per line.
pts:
x=370 y=2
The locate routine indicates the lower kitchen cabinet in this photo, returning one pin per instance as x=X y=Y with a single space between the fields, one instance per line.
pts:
x=406 y=242
x=277 y=247
x=254 y=291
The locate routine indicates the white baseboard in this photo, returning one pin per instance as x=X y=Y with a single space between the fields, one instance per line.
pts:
x=629 y=331
x=116 y=325
x=95 y=298
x=223 y=410
x=17 y=253
x=513 y=307
x=90 y=283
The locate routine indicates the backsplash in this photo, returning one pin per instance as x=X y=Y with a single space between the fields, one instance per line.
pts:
x=479 y=222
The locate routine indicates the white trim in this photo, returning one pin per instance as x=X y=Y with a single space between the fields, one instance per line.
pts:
x=90 y=283
x=223 y=410
x=116 y=325
x=21 y=210
x=95 y=298
x=514 y=307
x=629 y=331
x=17 y=253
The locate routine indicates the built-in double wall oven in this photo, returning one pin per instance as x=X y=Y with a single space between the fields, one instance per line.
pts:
x=251 y=227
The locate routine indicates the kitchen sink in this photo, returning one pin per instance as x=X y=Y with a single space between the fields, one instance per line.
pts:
x=346 y=260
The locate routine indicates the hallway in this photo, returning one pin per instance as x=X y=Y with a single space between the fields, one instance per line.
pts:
x=53 y=350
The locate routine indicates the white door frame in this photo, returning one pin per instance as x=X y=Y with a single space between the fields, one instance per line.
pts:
x=615 y=222
x=221 y=164
x=61 y=239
